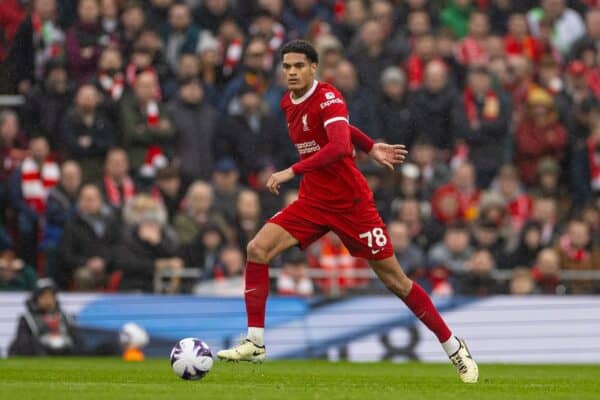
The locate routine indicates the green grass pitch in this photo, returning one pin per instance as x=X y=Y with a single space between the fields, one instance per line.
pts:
x=110 y=378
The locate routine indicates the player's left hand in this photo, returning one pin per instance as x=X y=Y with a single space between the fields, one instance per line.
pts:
x=278 y=178
x=388 y=155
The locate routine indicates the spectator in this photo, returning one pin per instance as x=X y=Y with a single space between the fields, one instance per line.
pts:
x=393 y=107
x=487 y=119
x=592 y=33
x=84 y=41
x=371 y=53
x=454 y=251
x=545 y=212
x=539 y=134
x=478 y=279
x=29 y=187
x=110 y=81
x=568 y=26
x=197 y=213
x=37 y=41
x=132 y=22
x=423 y=52
x=252 y=74
x=433 y=173
x=487 y=235
x=528 y=248
x=546 y=272
x=87 y=247
x=88 y=132
x=459 y=199
x=518 y=202
x=169 y=189
x=293 y=277
x=228 y=275
x=301 y=13
x=179 y=35
x=46 y=104
x=431 y=108
x=248 y=217
x=45 y=329
x=423 y=232
x=211 y=14
x=471 y=49
x=225 y=180
x=577 y=252
x=331 y=256
x=157 y=12
x=144 y=120
x=521 y=282
x=409 y=255
x=361 y=104
x=251 y=135
x=12 y=13
x=62 y=203
x=13 y=145
x=455 y=16
x=204 y=249
x=147 y=248
x=196 y=124
x=109 y=19
x=117 y=186
x=519 y=41
x=14 y=273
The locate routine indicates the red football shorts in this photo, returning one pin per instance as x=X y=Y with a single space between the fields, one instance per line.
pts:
x=360 y=228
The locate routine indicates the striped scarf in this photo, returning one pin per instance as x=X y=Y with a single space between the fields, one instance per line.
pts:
x=36 y=183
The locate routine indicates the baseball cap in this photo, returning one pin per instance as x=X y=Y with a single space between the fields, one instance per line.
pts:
x=225 y=165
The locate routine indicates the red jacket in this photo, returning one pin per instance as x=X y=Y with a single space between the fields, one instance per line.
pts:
x=536 y=142
x=11 y=16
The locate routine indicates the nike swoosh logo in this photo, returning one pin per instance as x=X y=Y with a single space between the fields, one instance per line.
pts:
x=256 y=353
x=249 y=290
x=375 y=251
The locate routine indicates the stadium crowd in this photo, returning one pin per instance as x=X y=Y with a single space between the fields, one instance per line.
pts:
x=149 y=128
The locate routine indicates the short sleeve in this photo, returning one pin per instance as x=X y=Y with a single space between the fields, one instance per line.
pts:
x=332 y=107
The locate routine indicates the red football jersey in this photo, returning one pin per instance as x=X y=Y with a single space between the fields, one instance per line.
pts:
x=340 y=185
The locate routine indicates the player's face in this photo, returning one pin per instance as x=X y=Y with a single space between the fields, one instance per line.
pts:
x=298 y=71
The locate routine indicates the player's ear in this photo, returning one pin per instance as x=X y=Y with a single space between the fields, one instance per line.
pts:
x=313 y=67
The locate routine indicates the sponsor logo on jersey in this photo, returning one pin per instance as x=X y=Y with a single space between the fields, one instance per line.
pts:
x=330 y=95
x=305 y=127
x=330 y=102
x=308 y=147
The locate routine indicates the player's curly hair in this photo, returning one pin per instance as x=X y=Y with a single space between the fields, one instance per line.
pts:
x=302 y=47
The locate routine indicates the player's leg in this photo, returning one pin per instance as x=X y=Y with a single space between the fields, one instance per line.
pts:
x=296 y=224
x=365 y=235
x=270 y=241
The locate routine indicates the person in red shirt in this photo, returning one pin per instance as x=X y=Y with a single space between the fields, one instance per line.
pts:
x=334 y=196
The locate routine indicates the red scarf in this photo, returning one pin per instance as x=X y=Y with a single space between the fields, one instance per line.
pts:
x=520 y=209
x=415 y=69
x=491 y=106
x=232 y=55
x=152 y=114
x=113 y=85
x=572 y=253
x=36 y=183
x=528 y=47
x=113 y=195
x=470 y=52
x=594 y=160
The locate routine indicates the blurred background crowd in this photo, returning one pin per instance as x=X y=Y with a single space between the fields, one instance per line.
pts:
x=147 y=130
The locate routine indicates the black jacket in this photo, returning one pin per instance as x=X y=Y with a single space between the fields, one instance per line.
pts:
x=80 y=242
x=432 y=116
x=33 y=329
x=136 y=259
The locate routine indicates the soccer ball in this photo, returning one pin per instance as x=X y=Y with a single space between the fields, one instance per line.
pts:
x=191 y=359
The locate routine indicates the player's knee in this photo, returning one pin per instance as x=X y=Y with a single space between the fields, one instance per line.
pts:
x=257 y=252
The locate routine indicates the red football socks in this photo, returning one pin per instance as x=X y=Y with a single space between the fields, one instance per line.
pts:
x=420 y=304
x=257 y=290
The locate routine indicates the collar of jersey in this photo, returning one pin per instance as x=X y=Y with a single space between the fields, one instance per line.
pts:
x=306 y=95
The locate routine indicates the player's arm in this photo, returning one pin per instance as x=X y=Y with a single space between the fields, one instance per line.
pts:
x=385 y=154
x=339 y=146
